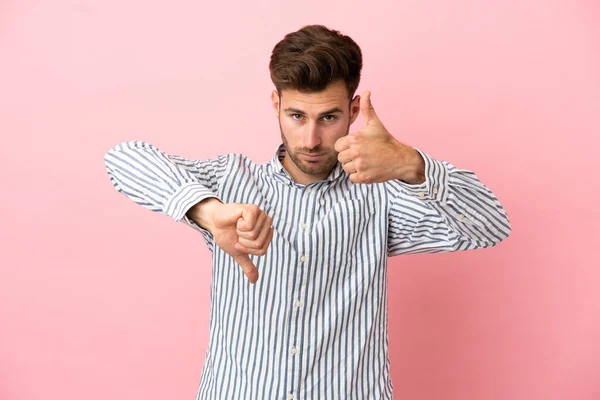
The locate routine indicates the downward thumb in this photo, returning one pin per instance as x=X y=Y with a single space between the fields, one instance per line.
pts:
x=248 y=267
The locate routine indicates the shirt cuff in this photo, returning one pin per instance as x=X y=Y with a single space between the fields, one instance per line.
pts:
x=185 y=198
x=436 y=181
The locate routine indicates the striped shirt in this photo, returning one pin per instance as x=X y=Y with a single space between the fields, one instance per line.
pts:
x=315 y=324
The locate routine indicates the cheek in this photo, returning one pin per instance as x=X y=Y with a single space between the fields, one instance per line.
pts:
x=285 y=124
x=290 y=129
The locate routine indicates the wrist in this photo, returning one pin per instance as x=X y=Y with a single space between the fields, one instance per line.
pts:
x=411 y=166
x=203 y=213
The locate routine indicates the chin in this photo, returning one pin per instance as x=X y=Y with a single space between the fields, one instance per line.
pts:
x=317 y=168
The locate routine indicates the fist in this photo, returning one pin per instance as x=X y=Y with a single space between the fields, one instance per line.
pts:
x=241 y=230
x=372 y=154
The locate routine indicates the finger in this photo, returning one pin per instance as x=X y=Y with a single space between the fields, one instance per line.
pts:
x=350 y=167
x=342 y=144
x=268 y=241
x=344 y=157
x=259 y=241
x=354 y=178
x=249 y=215
x=248 y=267
x=253 y=232
x=367 y=109
x=257 y=252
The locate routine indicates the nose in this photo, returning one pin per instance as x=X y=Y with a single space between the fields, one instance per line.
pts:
x=312 y=136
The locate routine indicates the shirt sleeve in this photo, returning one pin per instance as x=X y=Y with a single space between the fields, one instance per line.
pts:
x=163 y=183
x=452 y=210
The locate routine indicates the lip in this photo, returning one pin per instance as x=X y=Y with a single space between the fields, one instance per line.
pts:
x=313 y=156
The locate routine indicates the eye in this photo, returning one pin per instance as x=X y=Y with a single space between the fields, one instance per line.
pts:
x=296 y=115
x=332 y=118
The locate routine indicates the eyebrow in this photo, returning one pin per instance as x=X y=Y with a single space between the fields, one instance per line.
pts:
x=297 y=111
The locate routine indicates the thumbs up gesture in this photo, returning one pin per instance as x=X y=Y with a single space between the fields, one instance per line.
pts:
x=373 y=155
x=238 y=229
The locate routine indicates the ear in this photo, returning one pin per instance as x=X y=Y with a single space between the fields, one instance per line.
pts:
x=354 y=108
x=275 y=101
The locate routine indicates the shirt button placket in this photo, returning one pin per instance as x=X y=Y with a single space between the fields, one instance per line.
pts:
x=303 y=233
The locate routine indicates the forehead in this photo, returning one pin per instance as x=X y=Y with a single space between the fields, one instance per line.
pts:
x=334 y=95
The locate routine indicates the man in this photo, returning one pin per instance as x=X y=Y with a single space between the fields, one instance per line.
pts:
x=317 y=223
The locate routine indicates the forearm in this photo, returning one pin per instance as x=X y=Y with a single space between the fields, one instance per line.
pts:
x=455 y=198
x=163 y=183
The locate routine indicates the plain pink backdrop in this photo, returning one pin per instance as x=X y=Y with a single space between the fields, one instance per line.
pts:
x=102 y=299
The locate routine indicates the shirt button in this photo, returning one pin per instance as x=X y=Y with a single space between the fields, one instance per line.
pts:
x=435 y=191
x=298 y=303
x=309 y=190
x=421 y=194
x=303 y=258
x=461 y=216
x=290 y=396
x=294 y=350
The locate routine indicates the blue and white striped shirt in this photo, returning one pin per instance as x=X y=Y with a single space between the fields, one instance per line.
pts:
x=315 y=325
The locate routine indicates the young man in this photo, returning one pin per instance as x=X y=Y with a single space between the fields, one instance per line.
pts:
x=318 y=222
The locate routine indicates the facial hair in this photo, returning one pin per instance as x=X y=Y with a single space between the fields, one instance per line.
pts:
x=321 y=168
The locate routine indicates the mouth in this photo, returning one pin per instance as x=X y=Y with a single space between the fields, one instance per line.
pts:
x=313 y=157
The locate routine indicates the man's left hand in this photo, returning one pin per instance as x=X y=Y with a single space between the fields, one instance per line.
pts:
x=373 y=155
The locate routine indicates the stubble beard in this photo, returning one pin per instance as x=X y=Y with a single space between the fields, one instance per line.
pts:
x=320 y=168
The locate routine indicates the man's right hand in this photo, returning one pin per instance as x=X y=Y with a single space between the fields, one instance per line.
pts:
x=238 y=229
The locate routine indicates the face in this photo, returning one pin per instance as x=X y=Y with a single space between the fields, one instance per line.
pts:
x=310 y=125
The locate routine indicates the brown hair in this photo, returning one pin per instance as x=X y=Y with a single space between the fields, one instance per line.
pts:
x=309 y=59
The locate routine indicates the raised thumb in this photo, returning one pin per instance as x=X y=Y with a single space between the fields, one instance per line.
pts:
x=367 y=109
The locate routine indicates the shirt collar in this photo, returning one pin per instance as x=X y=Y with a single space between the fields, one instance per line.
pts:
x=279 y=171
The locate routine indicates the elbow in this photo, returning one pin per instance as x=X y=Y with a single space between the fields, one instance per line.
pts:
x=111 y=164
x=109 y=156
x=501 y=233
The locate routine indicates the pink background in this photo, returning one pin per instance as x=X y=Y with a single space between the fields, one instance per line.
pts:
x=102 y=299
